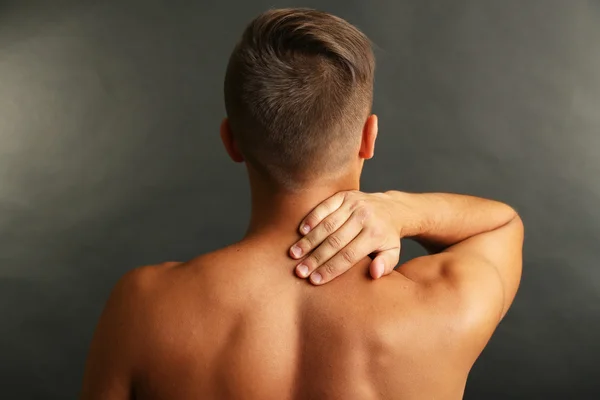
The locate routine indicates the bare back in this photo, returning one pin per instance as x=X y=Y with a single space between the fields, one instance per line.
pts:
x=237 y=324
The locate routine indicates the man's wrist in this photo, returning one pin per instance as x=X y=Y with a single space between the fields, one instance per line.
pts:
x=408 y=213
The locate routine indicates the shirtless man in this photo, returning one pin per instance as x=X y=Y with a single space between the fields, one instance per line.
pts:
x=244 y=322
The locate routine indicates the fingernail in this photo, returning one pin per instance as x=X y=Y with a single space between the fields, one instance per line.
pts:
x=305 y=229
x=296 y=251
x=316 y=277
x=378 y=267
x=303 y=270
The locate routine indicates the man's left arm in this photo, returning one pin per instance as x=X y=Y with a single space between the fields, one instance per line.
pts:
x=110 y=363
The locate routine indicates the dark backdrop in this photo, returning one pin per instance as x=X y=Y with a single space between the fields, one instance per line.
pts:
x=110 y=159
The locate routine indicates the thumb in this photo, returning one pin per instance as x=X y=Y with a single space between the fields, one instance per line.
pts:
x=384 y=263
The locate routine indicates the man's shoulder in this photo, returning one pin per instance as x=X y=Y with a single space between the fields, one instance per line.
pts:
x=461 y=295
x=148 y=297
x=465 y=284
x=144 y=278
x=142 y=285
x=125 y=321
x=137 y=287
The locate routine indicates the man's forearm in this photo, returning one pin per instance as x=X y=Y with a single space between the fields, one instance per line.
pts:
x=439 y=220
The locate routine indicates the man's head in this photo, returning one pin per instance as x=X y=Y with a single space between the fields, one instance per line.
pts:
x=298 y=94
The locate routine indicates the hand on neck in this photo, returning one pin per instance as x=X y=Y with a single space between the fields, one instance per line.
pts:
x=277 y=213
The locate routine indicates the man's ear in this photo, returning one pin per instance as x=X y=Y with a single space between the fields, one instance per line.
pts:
x=369 y=134
x=229 y=142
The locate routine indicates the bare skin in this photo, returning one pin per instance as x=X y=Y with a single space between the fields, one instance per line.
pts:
x=238 y=323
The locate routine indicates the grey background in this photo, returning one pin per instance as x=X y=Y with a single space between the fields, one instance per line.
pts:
x=110 y=159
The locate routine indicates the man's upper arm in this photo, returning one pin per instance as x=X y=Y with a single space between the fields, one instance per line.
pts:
x=109 y=366
x=484 y=269
x=500 y=249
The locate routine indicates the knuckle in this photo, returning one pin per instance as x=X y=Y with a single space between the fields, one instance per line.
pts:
x=329 y=225
x=352 y=203
x=314 y=257
x=358 y=203
x=334 y=241
x=348 y=255
x=375 y=232
x=329 y=269
x=363 y=213
x=307 y=241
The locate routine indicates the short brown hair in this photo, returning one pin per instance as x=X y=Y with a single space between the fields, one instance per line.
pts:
x=298 y=89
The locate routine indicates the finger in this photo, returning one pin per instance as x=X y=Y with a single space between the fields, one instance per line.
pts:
x=384 y=263
x=320 y=233
x=345 y=259
x=320 y=212
x=332 y=244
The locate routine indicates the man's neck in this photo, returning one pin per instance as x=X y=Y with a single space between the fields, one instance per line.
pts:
x=277 y=214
